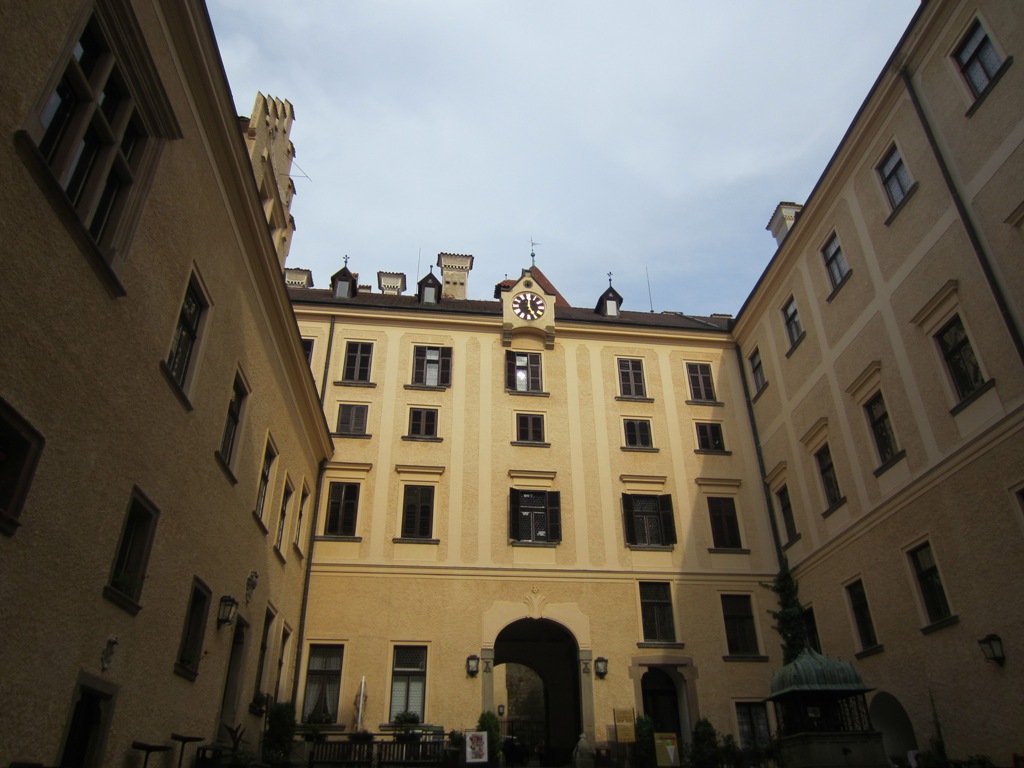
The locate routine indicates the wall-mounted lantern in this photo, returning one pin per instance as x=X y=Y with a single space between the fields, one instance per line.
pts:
x=227 y=611
x=472 y=665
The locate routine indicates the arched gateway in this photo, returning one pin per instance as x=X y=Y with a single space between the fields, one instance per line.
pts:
x=553 y=640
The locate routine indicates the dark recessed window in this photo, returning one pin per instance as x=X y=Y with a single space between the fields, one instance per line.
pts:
x=186 y=334
x=791 y=317
x=656 y=612
x=432 y=366
x=709 y=437
x=418 y=512
x=835 y=262
x=20 y=448
x=649 y=520
x=358 y=356
x=638 y=433
x=930 y=583
x=752 y=719
x=286 y=499
x=190 y=650
x=811 y=627
x=534 y=516
x=725 y=526
x=234 y=418
x=881 y=428
x=323 y=684
x=959 y=357
x=757 y=371
x=529 y=428
x=342 y=508
x=352 y=419
x=786 y=512
x=522 y=372
x=128 y=575
x=422 y=422
x=702 y=386
x=861 y=615
x=979 y=61
x=307 y=350
x=740 y=632
x=895 y=177
x=631 y=378
x=827 y=471
x=269 y=455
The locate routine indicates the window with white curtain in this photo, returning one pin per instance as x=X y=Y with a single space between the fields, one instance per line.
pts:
x=408 y=680
x=323 y=684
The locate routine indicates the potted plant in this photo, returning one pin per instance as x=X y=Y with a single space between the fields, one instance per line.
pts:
x=405 y=725
x=361 y=736
x=277 y=742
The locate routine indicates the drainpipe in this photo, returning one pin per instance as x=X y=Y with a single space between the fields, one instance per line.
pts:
x=327 y=364
x=306 y=578
x=965 y=216
x=760 y=459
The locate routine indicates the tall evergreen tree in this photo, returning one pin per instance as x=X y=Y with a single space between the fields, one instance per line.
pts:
x=789 y=618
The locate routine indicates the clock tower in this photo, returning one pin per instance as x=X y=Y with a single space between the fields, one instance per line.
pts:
x=528 y=309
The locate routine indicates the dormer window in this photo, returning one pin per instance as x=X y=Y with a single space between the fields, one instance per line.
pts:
x=344 y=284
x=428 y=290
x=609 y=303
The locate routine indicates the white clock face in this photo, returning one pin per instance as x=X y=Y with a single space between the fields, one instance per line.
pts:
x=528 y=305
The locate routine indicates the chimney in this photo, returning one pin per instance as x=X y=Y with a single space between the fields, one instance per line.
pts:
x=391 y=283
x=783 y=219
x=455 y=269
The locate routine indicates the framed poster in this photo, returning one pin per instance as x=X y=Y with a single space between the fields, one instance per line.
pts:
x=666 y=750
x=625 y=725
x=476 y=747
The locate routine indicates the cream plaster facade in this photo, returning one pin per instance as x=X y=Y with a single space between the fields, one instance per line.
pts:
x=113 y=431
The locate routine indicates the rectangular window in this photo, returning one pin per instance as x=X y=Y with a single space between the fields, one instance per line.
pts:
x=358 y=355
x=786 y=511
x=534 y=516
x=790 y=316
x=930 y=583
x=128 y=575
x=656 y=612
x=881 y=428
x=418 y=512
x=829 y=481
x=895 y=177
x=323 y=684
x=234 y=418
x=20 y=448
x=740 y=633
x=99 y=144
x=752 y=719
x=702 y=387
x=422 y=422
x=979 y=61
x=432 y=366
x=269 y=455
x=811 y=627
x=631 y=378
x=352 y=419
x=261 y=659
x=757 y=371
x=409 y=680
x=307 y=350
x=835 y=262
x=960 y=360
x=342 y=508
x=303 y=500
x=638 y=433
x=529 y=428
x=861 y=615
x=286 y=499
x=190 y=650
x=648 y=520
x=186 y=334
x=709 y=437
x=725 y=526
x=522 y=371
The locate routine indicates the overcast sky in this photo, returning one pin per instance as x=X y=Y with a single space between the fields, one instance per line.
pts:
x=640 y=138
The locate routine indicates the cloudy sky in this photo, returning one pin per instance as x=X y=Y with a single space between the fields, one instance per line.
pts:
x=650 y=139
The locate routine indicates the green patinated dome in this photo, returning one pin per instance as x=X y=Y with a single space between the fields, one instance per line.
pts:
x=811 y=671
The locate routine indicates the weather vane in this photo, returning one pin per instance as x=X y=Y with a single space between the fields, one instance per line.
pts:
x=609 y=279
x=533 y=256
x=346 y=259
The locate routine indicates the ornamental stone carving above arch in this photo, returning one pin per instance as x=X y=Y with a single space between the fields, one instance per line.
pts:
x=534 y=605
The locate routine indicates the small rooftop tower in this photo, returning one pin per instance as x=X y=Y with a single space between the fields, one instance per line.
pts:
x=783 y=219
x=455 y=269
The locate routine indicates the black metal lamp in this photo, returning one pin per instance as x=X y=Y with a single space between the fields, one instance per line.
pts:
x=472 y=665
x=992 y=647
x=601 y=667
x=227 y=611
